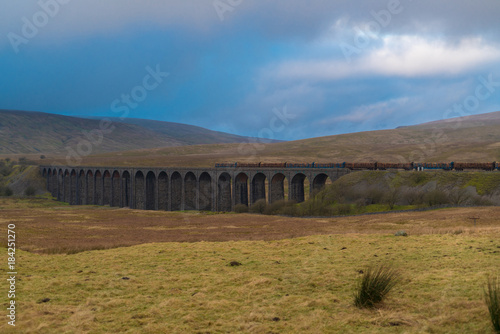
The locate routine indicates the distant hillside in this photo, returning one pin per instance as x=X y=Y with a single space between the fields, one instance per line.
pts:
x=23 y=132
x=491 y=118
x=466 y=139
x=188 y=134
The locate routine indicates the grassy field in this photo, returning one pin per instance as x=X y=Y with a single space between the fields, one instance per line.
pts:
x=296 y=275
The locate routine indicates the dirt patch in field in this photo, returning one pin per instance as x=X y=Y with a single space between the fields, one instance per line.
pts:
x=75 y=228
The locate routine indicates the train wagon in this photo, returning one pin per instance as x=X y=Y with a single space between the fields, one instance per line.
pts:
x=487 y=166
x=225 y=165
x=273 y=164
x=248 y=165
x=476 y=166
x=361 y=165
x=433 y=165
x=394 y=165
x=330 y=165
x=299 y=165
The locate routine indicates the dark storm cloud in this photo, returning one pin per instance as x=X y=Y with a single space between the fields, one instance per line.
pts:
x=232 y=64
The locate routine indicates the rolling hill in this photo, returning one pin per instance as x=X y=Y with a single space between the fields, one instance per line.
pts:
x=23 y=132
x=465 y=139
x=187 y=134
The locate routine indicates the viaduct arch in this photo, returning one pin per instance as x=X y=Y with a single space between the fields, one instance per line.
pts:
x=174 y=189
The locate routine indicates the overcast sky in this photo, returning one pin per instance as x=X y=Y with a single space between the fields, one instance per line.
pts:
x=286 y=69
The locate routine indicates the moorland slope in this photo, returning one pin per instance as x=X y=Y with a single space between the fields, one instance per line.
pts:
x=464 y=139
x=23 y=132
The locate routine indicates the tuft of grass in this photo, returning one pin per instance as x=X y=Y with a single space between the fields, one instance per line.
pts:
x=401 y=234
x=492 y=299
x=374 y=286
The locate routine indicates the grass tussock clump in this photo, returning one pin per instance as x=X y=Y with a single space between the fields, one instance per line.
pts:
x=492 y=299
x=374 y=286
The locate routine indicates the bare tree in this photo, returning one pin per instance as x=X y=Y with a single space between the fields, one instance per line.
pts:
x=459 y=196
x=392 y=196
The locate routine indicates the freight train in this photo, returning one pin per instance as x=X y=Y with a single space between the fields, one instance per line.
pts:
x=459 y=166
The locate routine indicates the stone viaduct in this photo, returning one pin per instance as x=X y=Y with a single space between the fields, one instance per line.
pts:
x=173 y=189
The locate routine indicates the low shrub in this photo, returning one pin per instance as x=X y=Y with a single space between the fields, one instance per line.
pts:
x=418 y=178
x=316 y=207
x=342 y=209
x=374 y=195
x=481 y=201
x=413 y=196
x=259 y=206
x=492 y=299
x=374 y=286
x=6 y=191
x=275 y=208
x=5 y=168
x=436 y=197
x=240 y=208
x=29 y=191
x=459 y=196
x=391 y=197
x=291 y=209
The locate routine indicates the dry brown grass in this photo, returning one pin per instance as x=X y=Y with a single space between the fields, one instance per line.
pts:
x=50 y=227
x=293 y=285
